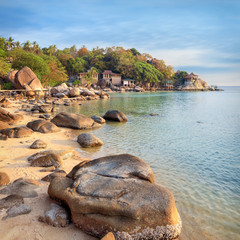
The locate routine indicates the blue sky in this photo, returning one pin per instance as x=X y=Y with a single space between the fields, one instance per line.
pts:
x=200 y=36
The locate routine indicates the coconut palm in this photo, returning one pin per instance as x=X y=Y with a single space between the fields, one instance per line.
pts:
x=17 y=44
x=52 y=50
x=27 y=46
x=9 y=43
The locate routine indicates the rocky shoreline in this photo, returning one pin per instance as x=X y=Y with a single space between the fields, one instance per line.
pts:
x=36 y=152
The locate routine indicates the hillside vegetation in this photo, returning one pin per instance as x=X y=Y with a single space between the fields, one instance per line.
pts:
x=53 y=66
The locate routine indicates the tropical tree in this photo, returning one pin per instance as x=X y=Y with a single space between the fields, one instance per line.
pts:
x=80 y=65
x=73 y=50
x=4 y=68
x=17 y=44
x=52 y=49
x=82 y=52
x=135 y=51
x=57 y=73
x=27 y=46
x=10 y=43
x=146 y=72
x=64 y=57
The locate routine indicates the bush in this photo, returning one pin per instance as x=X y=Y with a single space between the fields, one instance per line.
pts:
x=4 y=68
x=77 y=82
x=7 y=86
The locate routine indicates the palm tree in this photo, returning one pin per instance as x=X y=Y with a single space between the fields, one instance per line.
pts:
x=52 y=50
x=38 y=50
x=34 y=45
x=17 y=44
x=9 y=43
x=27 y=46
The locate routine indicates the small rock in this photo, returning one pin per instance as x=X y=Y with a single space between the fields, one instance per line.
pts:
x=43 y=126
x=115 y=115
x=56 y=216
x=38 y=144
x=3 y=137
x=89 y=140
x=17 y=132
x=71 y=120
x=45 y=159
x=4 y=103
x=23 y=187
x=98 y=119
x=11 y=201
x=17 y=210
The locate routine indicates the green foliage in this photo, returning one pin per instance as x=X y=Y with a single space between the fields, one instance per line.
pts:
x=179 y=77
x=2 y=43
x=146 y=72
x=4 y=68
x=57 y=73
x=92 y=72
x=76 y=82
x=52 y=65
x=7 y=86
x=22 y=58
x=135 y=51
x=79 y=66
x=2 y=53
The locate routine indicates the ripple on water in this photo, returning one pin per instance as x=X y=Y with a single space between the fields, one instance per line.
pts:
x=192 y=146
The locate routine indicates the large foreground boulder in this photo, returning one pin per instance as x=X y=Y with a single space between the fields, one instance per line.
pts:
x=11 y=78
x=71 y=120
x=117 y=194
x=27 y=79
x=115 y=115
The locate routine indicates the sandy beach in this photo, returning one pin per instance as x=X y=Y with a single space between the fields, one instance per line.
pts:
x=13 y=160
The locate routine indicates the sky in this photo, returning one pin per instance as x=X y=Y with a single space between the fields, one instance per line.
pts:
x=200 y=36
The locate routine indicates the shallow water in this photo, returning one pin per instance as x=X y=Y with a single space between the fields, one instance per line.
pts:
x=193 y=146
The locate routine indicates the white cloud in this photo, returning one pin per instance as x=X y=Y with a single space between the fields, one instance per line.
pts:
x=195 y=57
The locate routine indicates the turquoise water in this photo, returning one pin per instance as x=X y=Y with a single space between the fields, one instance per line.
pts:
x=192 y=145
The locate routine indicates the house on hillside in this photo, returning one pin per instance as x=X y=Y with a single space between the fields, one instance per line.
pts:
x=128 y=82
x=113 y=78
x=190 y=78
x=168 y=85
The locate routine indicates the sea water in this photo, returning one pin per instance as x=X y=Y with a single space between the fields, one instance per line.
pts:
x=192 y=143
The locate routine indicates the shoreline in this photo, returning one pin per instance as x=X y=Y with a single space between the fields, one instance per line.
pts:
x=13 y=160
